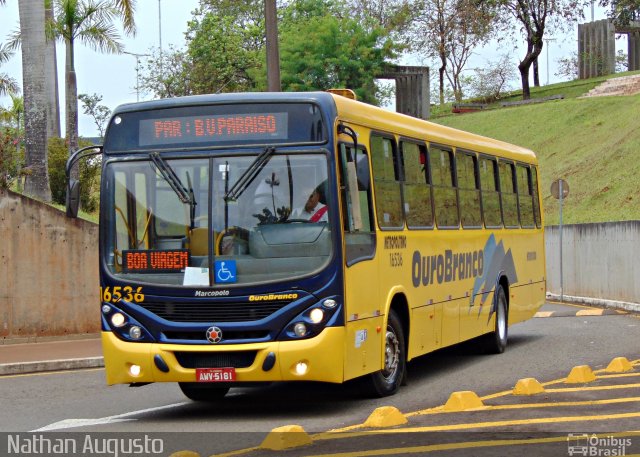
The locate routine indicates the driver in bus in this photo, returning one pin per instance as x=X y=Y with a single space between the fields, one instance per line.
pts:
x=313 y=210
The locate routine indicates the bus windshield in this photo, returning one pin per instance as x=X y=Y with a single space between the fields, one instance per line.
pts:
x=175 y=221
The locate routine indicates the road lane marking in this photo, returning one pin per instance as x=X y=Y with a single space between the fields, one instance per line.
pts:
x=72 y=423
x=590 y=312
x=618 y=375
x=440 y=409
x=474 y=425
x=544 y=314
x=465 y=445
x=593 y=388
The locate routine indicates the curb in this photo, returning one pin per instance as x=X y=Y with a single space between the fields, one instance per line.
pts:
x=599 y=302
x=8 y=369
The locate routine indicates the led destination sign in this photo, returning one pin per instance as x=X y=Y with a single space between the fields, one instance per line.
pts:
x=213 y=128
x=149 y=261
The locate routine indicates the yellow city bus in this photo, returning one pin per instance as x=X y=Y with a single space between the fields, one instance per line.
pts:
x=247 y=238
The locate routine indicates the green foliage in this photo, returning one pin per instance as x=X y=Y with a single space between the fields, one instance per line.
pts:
x=9 y=159
x=99 y=113
x=336 y=52
x=623 y=12
x=166 y=74
x=89 y=175
x=222 y=52
x=321 y=47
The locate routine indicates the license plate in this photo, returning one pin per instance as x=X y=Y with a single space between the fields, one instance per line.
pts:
x=215 y=374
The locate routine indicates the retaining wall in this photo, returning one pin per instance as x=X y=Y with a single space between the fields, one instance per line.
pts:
x=600 y=261
x=48 y=271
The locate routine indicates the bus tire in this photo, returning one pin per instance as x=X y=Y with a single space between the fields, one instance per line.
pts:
x=496 y=341
x=202 y=392
x=388 y=380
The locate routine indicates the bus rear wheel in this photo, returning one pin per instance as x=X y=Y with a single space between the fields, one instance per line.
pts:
x=387 y=381
x=202 y=392
x=496 y=341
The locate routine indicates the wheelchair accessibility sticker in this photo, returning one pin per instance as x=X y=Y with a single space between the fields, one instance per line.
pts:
x=225 y=271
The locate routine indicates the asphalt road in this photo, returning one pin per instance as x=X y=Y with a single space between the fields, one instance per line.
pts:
x=543 y=348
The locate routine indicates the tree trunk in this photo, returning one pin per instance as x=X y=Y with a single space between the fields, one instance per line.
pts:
x=443 y=60
x=51 y=81
x=71 y=106
x=536 y=74
x=35 y=105
x=524 y=78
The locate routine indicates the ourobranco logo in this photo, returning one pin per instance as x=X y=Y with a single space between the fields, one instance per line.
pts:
x=214 y=335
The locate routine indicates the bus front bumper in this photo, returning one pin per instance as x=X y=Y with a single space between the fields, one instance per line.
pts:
x=323 y=356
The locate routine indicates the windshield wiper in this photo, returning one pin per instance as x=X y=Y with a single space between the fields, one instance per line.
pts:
x=249 y=174
x=184 y=195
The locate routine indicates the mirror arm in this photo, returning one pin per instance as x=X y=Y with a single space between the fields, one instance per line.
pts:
x=76 y=156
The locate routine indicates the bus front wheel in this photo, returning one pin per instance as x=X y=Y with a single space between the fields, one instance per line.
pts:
x=387 y=381
x=202 y=392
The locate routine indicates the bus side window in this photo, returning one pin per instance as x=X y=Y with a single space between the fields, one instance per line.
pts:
x=536 y=200
x=468 y=191
x=418 y=208
x=444 y=192
x=360 y=244
x=490 y=193
x=525 y=198
x=509 y=195
x=385 y=182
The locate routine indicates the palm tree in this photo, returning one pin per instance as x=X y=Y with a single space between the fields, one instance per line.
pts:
x=90 y=22
x=32 y=27
x=51 y=79
x=8 y=85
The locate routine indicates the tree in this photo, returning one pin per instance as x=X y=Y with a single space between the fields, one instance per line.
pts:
x=13 y=117
x=8 y=85
x=51 y=79
x=533 y=17
x=225 y=39
x=492 y=80
x=623 y=11
x=336 y=52
x=91 y=23
x=167 y=74
x=32 y=26
x=472 y=27
x=99 y=113
x=449 y=30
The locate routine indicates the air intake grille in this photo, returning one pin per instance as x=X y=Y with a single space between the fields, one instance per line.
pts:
x=238 y=359
x=214 y=312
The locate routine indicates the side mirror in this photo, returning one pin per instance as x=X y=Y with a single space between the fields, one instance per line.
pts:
x=73 y=198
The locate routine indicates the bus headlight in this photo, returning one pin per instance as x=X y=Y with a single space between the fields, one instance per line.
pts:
x=123 y=325
x=135 y=332
x=118 y=320
x=316 y=315
x=313 y=320
x=300 y=329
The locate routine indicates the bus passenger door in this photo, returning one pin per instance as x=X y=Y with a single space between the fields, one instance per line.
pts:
x=362 y=302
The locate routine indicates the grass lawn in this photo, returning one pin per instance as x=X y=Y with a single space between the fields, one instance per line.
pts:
x=593 y=143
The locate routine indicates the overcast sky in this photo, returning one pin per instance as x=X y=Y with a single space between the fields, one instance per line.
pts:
x=114 y=76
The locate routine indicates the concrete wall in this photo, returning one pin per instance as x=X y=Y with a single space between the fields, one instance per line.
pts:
x=48 y=271
x=600 y=261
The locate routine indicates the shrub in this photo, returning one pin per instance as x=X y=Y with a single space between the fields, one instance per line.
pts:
x=89 y=175
x=8 y=160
